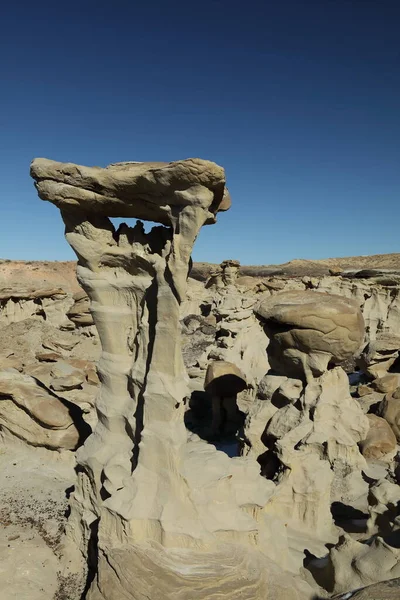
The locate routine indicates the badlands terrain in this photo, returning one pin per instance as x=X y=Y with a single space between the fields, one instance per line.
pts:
x=172 y=431
x=49 y=348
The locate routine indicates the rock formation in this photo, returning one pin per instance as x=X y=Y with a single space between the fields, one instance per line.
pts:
x=19 y=304
x=380 y=440
x=144 y=503
x=32 y=413
x=296 y=467
x=304 y=415
x=307 y=330
x=224 y=381
x=239 y=338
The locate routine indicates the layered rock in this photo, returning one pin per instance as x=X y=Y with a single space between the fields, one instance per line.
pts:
x=308 y=330
x=387 y=590
x=389 y=409
x=378 y=296
x=239 y=337
x=79 y=313
x=380 y=440
x=304 y=427
x=145 y=501
x=18 y=304
x=380 y=354
x=33 y=414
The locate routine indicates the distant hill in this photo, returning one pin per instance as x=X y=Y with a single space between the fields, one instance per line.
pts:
x=53 y=274
x=316 y=268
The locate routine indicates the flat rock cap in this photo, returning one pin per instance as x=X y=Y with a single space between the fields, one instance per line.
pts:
x=132 y=189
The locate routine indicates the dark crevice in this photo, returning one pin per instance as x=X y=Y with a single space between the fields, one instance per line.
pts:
x=350 y=519
x=270 y=464
x=104 y=494
x=150 y=299
x=321 y=570
x=92 y=556
x=170 y=280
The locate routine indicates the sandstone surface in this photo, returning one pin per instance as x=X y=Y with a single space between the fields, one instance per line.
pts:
x=143 y=497
x=307 y=330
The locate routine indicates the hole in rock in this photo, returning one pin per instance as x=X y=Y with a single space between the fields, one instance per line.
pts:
x=69 y=491
x=216 y=420
x=270 y=464
x=395 y=368
x=205 y=309
x=279 y=400
x=357 y=377
x=393 y=539
x=147 y=233
x=347 y=517
x=131 y=222
x=199 y=413
x=384 y=522
x=103 y=492
x=230 y=447
x=321 y=570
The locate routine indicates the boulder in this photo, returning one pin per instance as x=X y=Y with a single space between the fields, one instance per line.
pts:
x=308 y=330
x=363 y=390
x=380 y=354
x=79 y=313
x=66 y=377
x=224 y=379
x=380 y=439
x=282 y=390
x=370 y=402
x=355 y=565
x=283 y=421
x=32 y=413
x=389 y=410
x=387 y=383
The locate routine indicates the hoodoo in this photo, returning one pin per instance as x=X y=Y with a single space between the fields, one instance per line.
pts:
x=156 y=512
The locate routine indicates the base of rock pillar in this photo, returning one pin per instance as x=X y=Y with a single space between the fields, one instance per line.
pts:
x=232 y=572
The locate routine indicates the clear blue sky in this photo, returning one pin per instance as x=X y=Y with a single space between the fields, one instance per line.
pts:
x=299 y=100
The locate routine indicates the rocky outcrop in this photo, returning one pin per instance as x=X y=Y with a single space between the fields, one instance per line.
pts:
x=380 y=354
x=18 y=304
x=308 y=330
x=79 y=313
x=379 y=299
x=224 y=275
x=387 y=590
x=223 y=382
x=239 y=338
x=32 y=413
x=314 y=440
x=380 y=440
x=147 y=498
x=389 y=409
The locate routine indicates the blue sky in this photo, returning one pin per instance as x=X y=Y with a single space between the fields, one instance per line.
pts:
x=299 y=100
